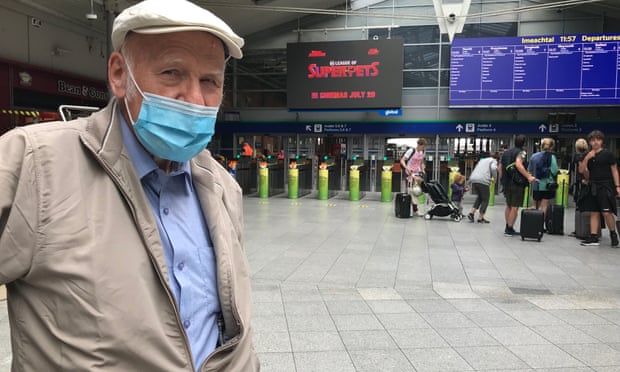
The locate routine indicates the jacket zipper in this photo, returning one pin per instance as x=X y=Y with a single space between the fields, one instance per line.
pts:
x=162 y=280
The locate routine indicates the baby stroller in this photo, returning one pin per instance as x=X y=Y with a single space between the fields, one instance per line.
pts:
x=442 y=206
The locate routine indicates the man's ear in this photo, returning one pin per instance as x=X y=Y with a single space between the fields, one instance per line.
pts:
x=117 y=75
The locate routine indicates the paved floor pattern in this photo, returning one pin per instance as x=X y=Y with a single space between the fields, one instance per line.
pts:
x=346 y=286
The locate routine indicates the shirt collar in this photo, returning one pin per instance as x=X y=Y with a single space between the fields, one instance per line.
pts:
x=142 y=160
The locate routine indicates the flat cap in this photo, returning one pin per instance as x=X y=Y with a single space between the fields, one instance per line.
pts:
x=166 y=16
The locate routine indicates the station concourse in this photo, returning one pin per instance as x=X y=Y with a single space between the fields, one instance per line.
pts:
x=339 y=90
x=347 y=286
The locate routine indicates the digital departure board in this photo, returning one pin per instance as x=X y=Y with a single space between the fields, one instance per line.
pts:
x=540 y=71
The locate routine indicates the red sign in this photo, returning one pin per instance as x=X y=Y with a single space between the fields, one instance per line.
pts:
x=37 y=79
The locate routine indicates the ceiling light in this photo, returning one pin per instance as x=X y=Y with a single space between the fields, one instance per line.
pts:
x=92 y=15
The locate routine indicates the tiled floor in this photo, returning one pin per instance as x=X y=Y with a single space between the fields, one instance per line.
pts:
x=346 y=286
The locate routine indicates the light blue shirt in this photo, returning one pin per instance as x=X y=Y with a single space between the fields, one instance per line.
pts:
x=187 y=245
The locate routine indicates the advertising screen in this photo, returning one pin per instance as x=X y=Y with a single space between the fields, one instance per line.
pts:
x=345 y=75
x=537 y=71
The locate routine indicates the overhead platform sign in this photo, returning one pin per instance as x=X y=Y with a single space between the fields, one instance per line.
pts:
x=397 y=128
x=535 y=71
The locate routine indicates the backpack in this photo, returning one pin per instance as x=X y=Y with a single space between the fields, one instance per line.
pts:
x=543 y=168
x=412 y=152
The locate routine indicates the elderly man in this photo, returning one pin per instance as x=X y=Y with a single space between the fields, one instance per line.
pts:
x=120 y=235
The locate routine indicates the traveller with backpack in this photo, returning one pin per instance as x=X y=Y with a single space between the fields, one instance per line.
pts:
x=544 y=166
x=513 y=168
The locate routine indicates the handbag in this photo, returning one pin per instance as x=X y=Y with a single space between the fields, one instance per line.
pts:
x=552 y=186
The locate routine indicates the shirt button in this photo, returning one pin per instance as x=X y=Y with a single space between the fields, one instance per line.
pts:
x=181 y=265
x=186 y=323
x=166 y=211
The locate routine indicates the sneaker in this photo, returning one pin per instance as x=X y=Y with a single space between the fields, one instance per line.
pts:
x=510 y=231
x=470 y=217
x=482 y=220
x=614 y=238
x=591 y=241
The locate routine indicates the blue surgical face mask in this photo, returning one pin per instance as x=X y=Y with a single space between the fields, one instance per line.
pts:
x=171 y=129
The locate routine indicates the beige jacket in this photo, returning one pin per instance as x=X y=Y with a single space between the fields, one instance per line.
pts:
x=83 y=261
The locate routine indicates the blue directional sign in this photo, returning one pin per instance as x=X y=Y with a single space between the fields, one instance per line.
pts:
x=456 y=128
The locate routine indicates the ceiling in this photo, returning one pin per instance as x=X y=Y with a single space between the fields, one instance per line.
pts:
x=250 y=17
x=246 y=17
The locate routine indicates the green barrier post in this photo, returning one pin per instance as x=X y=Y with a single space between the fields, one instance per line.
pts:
x=561 y=194
x=354 y=185
x=526 y=197
x=492 y=194
x=293 y=183
x=263 y=182
x=323 y=184
x=386 y=186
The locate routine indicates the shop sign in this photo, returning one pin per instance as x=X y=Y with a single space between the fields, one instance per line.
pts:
x=81 y=90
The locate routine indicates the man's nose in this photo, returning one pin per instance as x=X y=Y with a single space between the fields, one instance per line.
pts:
x=193 y=93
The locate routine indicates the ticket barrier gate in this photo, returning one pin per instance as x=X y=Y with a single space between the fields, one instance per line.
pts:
x=386 y=183
x=270 y=178
x=357 y=181
x=329 y=181
x=299 y=180
x=246 y=175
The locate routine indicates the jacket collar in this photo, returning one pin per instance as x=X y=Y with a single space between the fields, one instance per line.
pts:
x=103 y=133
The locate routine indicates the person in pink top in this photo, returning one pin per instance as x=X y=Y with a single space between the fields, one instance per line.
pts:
x=413 y=163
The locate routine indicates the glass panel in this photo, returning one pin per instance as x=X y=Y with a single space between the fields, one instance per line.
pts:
x=418 y=79
x=261 y=81
x=421 y=56
x=259 y=70
x=410 y=34
x=258 y=61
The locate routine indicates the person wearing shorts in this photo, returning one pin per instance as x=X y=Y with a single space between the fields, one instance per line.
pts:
x=544 y=166
x=513 y=192
x=601 y=175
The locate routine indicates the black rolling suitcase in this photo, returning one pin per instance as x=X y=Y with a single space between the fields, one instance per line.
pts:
x=555 y=219
x=532 y=224
x=402 y=205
